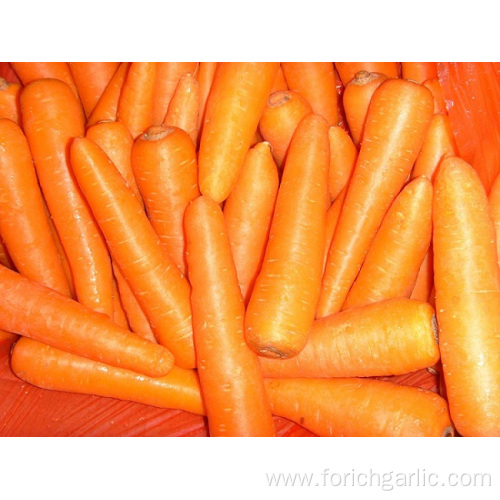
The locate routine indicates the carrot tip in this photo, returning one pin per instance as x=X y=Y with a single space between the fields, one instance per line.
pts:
x=278 y=98
x=448 y=432
x=4 y=84
x=156 y=133
x=273 y=352
x=363 y=77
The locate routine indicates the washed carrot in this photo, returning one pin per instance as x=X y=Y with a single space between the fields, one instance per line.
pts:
x=494 y=203
x=119 y=316
x=466 y=279
x=398 y=249
x=315 y=81
x=248 y=212
x=283 y=302
x=425 y=278
x=36 y=311
x=24 y=223
x=356 y=100
x=165 y=168
x=396 y=124
x=347 y=70
x=56 y=370
x=434 y=85
x=343 y=156
x=280 y=81
x=235 y=104
x=52 y=117
x=161 y=289
x=9 y=100
x=283 y=111
x=353 y=407
x=204 y=76
x=332 y=218
x=419 y=71
x=230 y=376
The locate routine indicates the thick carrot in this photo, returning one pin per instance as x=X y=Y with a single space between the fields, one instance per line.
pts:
x=348 y=70
x=230 y=376
x=398 y=249
x=353 y=407
x=9 y=100
x=397 y=122
x=36 y=311
x=343 y=156
x=466 y=278
x=160 y=288
x=52 y=117
x=419 y=71
x=316 y=82
x=332 y=218
x=248 y=212
x=24 y=223
x=204 y=76
x=166 y=157
x=282 y=306
x=235 y=104
x=494 y=202
x=52 y=369
x=434 y=85
x=283 y=112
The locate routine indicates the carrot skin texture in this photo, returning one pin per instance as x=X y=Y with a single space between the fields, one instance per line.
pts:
x=9 y=100
x=434 y=85
x=347 y=70
x=343 y=155
x=205 y=77
x=419 y=71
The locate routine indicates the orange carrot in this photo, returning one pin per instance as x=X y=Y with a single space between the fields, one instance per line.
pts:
x=9 y=100
x=7 y=338
x=160 y=288
x=204 y=76
x=119 y=316
x=466 y=278
x=52 y=117
x=248 y=211
x=425 y=278
x=36 y=311
x=235 y=104
x=282 y=306
x=353 y=407
x=397 y=121
x=434 y=86
x=347 y=70
x=280 y=81
x=166 y=157
x=5 y=258
x=230 y=376
x=419 y=71
x=494 y=203
x=332 y=218
x=316 y=82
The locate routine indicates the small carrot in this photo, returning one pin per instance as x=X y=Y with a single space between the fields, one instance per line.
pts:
x=353 y=407
x=348 y=70
x=466 y=278
x=396 y=124
x=235 y=104
x=9 y=100
x=332 y=218
x=36 y=311
x=56 y=370
x=419 y=71
x=248 y=212
x=204 y=76
x=494 y=203
x=283 y=302
x=230 y=376
x=434 y=85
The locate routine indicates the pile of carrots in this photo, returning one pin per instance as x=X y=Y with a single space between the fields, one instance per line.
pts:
x=250 y=240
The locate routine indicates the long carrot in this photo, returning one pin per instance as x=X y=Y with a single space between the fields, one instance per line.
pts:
x=160 y=288
x=425 y=278
x=235 y=104
x=348 y=70
x=9 y=100
x=494 y=203
x=282 y=306
x=230 y=376
x=36 y=311
x=466 y=278
x=332 y=218
x=204 y=76
x=397 y=121
x=343 y=156
x=419 y=71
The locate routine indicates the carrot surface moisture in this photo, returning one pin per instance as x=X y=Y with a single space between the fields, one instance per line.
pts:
x=283 y=302
x=160 y=288
x=235 y=104
x=348 y=70
x=230 y=376
x=38 y=312
x=9 y=100
x=419 y=71
x=466 y=278
x=397 y=122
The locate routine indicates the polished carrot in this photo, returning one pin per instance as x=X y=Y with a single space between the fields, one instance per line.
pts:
x=419 y=71
x=494 y=202
x=354 y=407
x=466 y=278
x=332 y=218
x=52 y=117
x=9 y=100
x=204 y=76
x=283 y=302
x=235 y=104
x=248 y=212
x=348 y=70
x=343 y=156
x=395 y=129
x=160 y=288
x=56 y=370
x=398 y=249
x=165 y=168
x=36 y=311
x=434 y=85
x=230 y=376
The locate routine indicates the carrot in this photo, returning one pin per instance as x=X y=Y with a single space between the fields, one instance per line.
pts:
x=398 y=249
x=235 y=104
x=161 y=290
x=425 y=277
x=7 y=337
x=166 y=157
x=434 y=86
x=230 y=376
x=419 y=71
x=9 y=100
x=248 y=211
x=353 y=407
x=53 y=369
x=204 y=76
x=315 y=81
x=119 y=316
x=38 y=312
x=283 y=111
x=343 y=156
x=5 y=258
x=397 y=121
x=91 y=78
x=24 y=224
x=494 y=203
x=332 y=218
x=282 y=306
x=356 y=100
x=466 y=278
x=347 y=70
x=280 y=81
x=52 y=117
